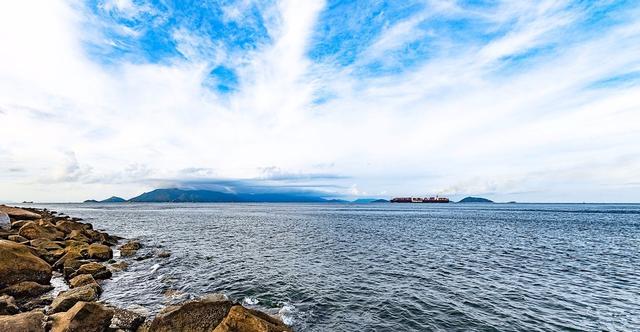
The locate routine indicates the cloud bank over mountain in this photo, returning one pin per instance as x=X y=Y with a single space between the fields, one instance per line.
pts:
x=521 y=100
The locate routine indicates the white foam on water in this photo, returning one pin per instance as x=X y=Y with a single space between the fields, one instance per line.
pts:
x=155 y=268
x=58 y=283
x=287 y=313
x=250 y=300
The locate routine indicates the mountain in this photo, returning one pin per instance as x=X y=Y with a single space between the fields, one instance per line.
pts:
x=114 y=199
x=370 y=200
x=91 y=201
x=475 y=200
x=208 y=196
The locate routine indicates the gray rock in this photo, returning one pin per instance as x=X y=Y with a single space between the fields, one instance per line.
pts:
x=5 y=222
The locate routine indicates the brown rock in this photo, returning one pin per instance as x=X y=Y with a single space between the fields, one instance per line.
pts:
x=241 y=319
x=19 y=223
x=32 y=321
x=8 y=305
x=163 y=254
x=126 y=319
x=19 y=214
x=83 y=280
x=83 y=317
x=40 y=229
x=68 y=299
x=100 y=252
x=26 y=289
x=97 y=270
x=119 y=266
x=17 y=238
x=46 y=244
x=130 y=248
x=193 y=316
x=17 y=264
x=67 y=226
x=78 y=235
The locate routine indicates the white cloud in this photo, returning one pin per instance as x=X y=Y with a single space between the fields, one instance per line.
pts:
x=453 y=125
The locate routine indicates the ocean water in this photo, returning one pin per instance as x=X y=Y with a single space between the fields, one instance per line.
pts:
x=388 y=267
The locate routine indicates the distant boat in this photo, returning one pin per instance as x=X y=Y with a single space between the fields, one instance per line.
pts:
x=420 y=200
x=27 y=202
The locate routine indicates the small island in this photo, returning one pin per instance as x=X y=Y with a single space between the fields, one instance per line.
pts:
x=471 y=199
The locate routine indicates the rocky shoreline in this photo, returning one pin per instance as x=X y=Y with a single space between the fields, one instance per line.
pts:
x=38 y=246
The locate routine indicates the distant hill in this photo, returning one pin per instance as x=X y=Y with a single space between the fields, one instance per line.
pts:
x=114 y=199
x=475 y=200
x=91 y=201
x=208 y=196
x=370 y=200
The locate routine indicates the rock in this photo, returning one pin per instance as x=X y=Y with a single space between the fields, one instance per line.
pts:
x=83 y=280
x=8 y=305
x=126 y=319
x=17 y=238
x=79 y=236
x=130 y=248
x=67 y=226
x=19 y=214
x=40 y=230
x=119 y=266
x=193 y=316
x=18 y=264
x=83 y=317
x=19 y=223
x=46 y=244
x=26 y=289
x=248 y=320
x=33 y=321
x=5 y=222
x=68 y=299
x=97 y=270
x=100 y=252
x=163 y=254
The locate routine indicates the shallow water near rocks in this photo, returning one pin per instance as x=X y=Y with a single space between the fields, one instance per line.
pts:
x=387 y=267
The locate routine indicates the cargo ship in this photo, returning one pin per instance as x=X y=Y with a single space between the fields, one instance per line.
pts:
x=420 y=200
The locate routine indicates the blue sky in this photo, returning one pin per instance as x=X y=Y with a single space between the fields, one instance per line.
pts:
x=514 y=100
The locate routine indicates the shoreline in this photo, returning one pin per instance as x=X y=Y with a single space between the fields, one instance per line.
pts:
x=51 y=268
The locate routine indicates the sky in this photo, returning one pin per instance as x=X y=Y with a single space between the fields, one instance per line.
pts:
x=533 y=101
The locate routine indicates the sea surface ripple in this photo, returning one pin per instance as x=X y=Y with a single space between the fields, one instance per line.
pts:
x=388 y=267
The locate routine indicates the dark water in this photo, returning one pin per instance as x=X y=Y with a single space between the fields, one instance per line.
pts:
x=386 y=267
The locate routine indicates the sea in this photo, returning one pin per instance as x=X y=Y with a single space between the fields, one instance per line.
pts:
x=386 y=267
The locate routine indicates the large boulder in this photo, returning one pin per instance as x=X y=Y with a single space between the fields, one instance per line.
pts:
x=18 y=263
x=19 y=214
x=26 y=289
x=100 y=252
x=68 y=299
x=33 y=321
x=40 y=230
x=8 y=305
x=17 y=238
x=241 y=319
x=83 y=317
x=67 y=226
x=5 y=222
x=194 y=316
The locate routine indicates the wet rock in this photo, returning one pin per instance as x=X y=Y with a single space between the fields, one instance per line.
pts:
x=130 y=248
x=163 y=254
x=145 y=257
x=8 y=305
x=17 y=238
x=126 y=319
x=33 y=321
x=68 y=299
x=5 y=222
x=193 y=316
x=19 y=214
x=18 y=263
x=83 y=317
x=100 y=252
x=248 y=320
x=40 y=230
x=26 y=289
x=84 y=280
x=97 y=270
x=119 y=266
